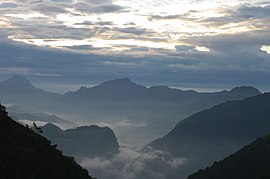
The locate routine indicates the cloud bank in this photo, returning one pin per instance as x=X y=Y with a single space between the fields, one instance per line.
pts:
x=129 y=164
x=189 y=44
x=125 y=26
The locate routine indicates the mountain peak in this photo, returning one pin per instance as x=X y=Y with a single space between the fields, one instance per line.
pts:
x=16 y=81
x=19 y=78
x=121 y=84
x=245 y=89
x=117 y=82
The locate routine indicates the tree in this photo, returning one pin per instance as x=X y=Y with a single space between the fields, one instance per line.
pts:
x=36 y=128
x=3 y=109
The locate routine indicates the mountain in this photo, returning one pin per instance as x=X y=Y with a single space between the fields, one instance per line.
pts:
x=133 y=110
x=20 y=91
x=126 y=89
x=252 y=161
x=18 y=83
x=158 y=108
x=25 y=154
x=119 y=89
x=243 y=90
x=85 y=141
x=236 y=93
x=214 y=133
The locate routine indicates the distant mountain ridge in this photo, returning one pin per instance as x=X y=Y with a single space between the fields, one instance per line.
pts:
x=158 y=108
x=125 y=87
x=84 y=141
x=120 y=87
x=26 y=155
x=23 y=115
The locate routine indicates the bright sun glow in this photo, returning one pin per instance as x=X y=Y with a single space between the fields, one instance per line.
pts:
x=98 y=43
x=26 y=16
x=202 y=49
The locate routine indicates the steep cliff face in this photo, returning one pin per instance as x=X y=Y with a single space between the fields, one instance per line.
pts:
x=25 y=154
x=85 y=141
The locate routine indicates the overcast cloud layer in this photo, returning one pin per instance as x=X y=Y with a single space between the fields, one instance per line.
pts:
x=195 y=43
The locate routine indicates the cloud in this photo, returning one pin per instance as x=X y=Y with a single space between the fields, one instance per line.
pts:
x=8 y=5
x=266 y=48
x=36 y=1
x=238 y=45
x=244 y=15
x=252 y=12
x=50 y=8
x=54 y=33
x=202 y=49
x=23 y=71
x=165 y=17
x=62 y=1
x=94 y=8
x=155 y=43
x=129 y=164
x=127 y=123
x=98 y=1
x=88 y=21
x=133 y=30
x=110 y=168
x=122 y=64
x=121 y=124
x=184 y=48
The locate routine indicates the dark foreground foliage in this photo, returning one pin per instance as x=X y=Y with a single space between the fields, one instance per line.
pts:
x=25 y=154
x=251 y=162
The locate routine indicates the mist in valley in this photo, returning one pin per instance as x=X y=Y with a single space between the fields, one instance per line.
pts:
x=114 y=129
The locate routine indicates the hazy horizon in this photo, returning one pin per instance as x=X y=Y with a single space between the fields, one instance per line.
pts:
x=65 y=87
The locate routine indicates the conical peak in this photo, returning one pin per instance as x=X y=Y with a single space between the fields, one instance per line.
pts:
x=16 y=82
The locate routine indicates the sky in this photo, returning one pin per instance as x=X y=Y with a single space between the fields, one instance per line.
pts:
x=198 y=44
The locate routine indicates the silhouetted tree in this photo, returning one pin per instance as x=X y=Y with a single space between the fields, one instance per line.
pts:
x=3 y=109
x=36 y=128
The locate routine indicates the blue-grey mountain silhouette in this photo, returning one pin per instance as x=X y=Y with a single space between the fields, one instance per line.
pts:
x=214 y=133
x=149 y=111
x=85 y=141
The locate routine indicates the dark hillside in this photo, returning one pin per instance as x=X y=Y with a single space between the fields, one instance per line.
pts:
x=251 y=162
x=27 y=155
